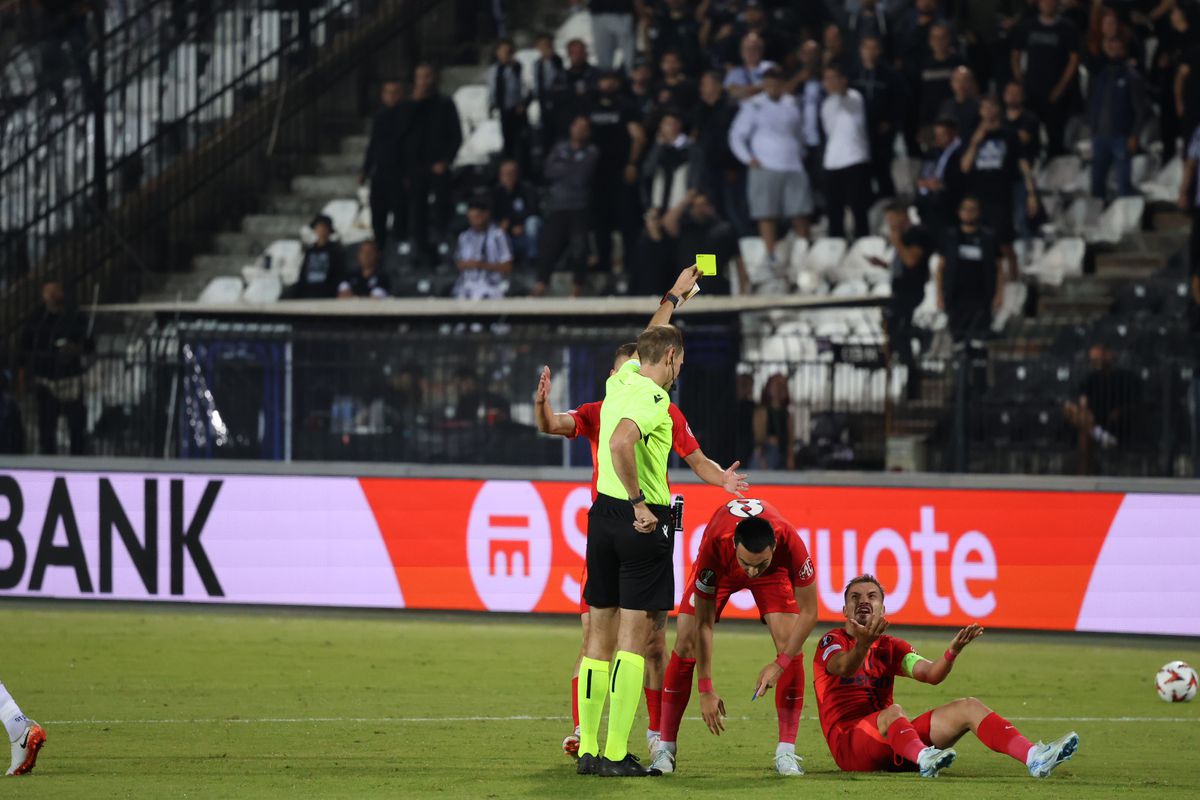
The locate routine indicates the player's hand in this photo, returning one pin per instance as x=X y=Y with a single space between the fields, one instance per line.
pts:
x=712 y=708
x=543 y=390
x=733 y=481
x=644 y=520
x=966 y=636
x=865 y=635
x=767 y=679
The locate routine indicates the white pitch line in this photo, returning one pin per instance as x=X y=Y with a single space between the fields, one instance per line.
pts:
x=514 y=718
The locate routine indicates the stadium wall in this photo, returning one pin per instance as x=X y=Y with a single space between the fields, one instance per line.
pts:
x=1058 y=554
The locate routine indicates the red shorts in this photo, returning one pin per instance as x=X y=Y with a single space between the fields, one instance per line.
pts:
x=773 y=594
x=859 y=747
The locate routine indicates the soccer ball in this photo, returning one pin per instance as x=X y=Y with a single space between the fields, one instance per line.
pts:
x=1176 y=682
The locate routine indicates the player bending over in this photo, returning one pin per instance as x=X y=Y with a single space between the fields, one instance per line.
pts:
x=747 y=545
x=854 y=668
x=27 y=736
x=585 y=421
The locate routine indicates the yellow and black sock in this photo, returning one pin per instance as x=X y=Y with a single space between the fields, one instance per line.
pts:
x=627 y=674
x=593 y=689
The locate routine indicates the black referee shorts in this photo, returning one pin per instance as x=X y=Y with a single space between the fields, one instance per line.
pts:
x=626 y=568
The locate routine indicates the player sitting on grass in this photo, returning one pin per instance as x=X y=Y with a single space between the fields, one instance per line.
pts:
x=27 y=736
x=747 y=545
x=854 y=668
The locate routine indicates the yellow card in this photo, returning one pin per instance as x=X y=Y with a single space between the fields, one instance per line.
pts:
x=706 y=263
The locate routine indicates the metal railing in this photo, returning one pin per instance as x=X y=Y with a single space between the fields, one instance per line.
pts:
x=156 y=136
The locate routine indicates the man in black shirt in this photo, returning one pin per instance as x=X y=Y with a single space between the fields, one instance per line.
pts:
x=1022 y=122
x=368 y=281
x=883 y=94
x=1051 y=47
x=515 y=208
x=383 y=166
x=1105 y=415
x=940 y=182
x=677 y=27
x=53 y=344
x=723 y=176
x=674 y=89
x=913 y=245
x=935 y=73
x=971 y=281
x=992 y=165
x=430 y=145
x=618 y=136
x=323 y=266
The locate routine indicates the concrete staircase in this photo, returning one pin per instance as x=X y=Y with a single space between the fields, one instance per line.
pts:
x=285 y=209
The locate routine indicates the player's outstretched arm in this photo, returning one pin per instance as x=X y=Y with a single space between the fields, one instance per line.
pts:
x=806 y=620
x=934 y=672
x=711 y=473
x=846 y=664
x=543 y=413
x=683 y=285
x=712 y=707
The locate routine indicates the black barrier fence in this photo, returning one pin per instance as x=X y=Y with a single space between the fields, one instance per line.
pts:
x=462 y=392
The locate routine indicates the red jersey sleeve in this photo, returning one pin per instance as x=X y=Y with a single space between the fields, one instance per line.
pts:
x=898 y=649
x=800 y=570
x=836 y=641
x=682 y=440
x=708 y=568
x=587 y=421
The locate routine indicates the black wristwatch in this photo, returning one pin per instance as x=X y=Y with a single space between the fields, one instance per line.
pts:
x=670 y=298
x=641 y=498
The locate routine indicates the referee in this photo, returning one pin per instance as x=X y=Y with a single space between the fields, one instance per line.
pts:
x=631 y=541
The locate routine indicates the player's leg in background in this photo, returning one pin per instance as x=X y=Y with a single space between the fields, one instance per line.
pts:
x=570 y=744
x=789 y=693
x=900 y=733
x=656 y=665
x=26 y=736
x=677 y=681
x=949 y=722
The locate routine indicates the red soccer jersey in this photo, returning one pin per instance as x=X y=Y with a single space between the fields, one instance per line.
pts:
x=587 y=425
x=717 y=563
x=843 y=700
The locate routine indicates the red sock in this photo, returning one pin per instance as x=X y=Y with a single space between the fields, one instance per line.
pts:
x=575 y=700
x=653 y=707
x=789 y=700
x=677 y=690
x=999 y=734
x=903 y=738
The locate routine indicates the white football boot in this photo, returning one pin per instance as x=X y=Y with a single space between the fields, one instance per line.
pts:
x=932 y=761
x=25 y=750
x=1043 y=758
x=662 y=758
x=788 y=764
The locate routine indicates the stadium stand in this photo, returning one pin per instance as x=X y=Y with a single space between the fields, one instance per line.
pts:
x=1080 y=260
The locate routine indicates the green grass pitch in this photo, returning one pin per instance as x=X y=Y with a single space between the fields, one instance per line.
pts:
x=161 y=702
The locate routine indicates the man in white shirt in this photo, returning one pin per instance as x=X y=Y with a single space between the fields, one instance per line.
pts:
x=847 y=153
x=746 y=79
x=766 y=137
x=483 y=257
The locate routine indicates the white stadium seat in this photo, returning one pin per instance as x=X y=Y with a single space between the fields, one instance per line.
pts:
x=222 y=291
x=286 y=256
x=825 y=255
x=472 y=104
x=858 y=264
x=797 y=259
x=1060 y=174
x=1123 y=216
x=264 y=289
x=1164 y=186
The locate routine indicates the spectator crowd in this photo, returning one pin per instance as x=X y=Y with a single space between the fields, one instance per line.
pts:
x=696 y=122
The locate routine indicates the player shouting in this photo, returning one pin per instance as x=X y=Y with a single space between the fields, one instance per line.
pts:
x=747 y=545
x=27 y=736
x=854 y=669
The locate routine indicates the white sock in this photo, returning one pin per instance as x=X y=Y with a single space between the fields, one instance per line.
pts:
x=785 y=747
x=651 y=734
x=670 y=746
x=14 y=721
